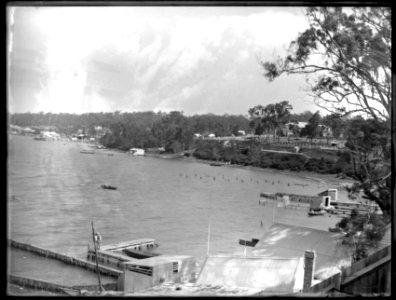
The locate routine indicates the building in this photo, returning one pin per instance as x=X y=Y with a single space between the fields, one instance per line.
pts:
x=283 y=240
x=140 y=269
x=49 y=135
x=137 y=151
x=292 y=127
x=265 y=274
x=337 y=143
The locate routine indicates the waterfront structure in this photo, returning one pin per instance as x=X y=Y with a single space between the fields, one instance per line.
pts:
x=327 y=200
x=48 y=135
x=270 y=275
x=290 y=241
x=139 y=273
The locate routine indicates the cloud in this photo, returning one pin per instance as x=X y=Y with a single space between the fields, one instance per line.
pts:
x=144 y=58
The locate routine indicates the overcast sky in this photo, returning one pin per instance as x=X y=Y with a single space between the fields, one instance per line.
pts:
x=192 y=59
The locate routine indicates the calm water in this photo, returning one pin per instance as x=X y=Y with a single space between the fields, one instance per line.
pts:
x=54 y=193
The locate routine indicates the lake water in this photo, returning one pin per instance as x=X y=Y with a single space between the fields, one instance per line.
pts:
x=54 y=193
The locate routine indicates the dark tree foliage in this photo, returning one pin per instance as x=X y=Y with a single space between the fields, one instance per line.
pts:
x=368 y=141
x=336 y=123
x=124 y=130
x=347 y=53
x=271 y=116
x=312 y=129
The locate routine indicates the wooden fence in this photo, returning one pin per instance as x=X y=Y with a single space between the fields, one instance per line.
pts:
x=365 y=277
x=370 y=275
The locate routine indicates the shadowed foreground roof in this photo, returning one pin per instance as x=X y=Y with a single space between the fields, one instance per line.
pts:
x=269 y=274
x=290 y=241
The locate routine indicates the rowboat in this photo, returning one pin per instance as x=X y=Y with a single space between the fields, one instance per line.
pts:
x=139 y=254
x=251 y=243
x=316 y=212
x=87 y=152
x=108 y=187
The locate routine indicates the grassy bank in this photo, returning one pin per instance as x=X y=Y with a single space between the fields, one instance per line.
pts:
x=253 y=153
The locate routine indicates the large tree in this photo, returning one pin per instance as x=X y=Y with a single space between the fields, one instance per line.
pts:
x=348 y=51
x=336 y=123
x=312 y=129
x=272 y=116
x=346 y=55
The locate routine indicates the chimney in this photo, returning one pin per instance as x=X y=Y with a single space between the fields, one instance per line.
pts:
x=309 y=268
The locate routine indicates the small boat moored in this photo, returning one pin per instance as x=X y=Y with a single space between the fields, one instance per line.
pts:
x=108 y=187
x=139 y=254
x=251 y=243
x=335 y=229
x=313 y=212
x=87 y=152
x=216 y=164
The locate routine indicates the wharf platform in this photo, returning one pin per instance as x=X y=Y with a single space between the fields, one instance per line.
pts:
x=24 y=264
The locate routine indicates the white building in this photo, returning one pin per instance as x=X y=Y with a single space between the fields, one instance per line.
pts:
x=136 y=151
x=50 y=135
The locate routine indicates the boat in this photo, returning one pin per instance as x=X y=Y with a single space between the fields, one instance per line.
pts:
x=39 y=138
x=316 y=212
x=122 y=252
x=251 y=243
x=216 y=164
x=335 y=229
x=87 y=151
x=139 y=254
x=108 y=187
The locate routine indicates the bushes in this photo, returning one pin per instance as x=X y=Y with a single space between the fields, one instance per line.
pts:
x=321 y=165
x=362 y=231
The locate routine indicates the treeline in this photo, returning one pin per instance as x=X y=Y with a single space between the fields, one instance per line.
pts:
x=368 y=137
x=125 y=130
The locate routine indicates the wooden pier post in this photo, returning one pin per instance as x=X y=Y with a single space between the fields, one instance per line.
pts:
x=96 y=259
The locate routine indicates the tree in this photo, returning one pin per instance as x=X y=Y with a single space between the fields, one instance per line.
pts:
x=336 y=124
x=301 y=117
x=349 y=51
x=346 y=52
x=368 y=142
x=174 y=131
x=272 y=116
x=312 y=129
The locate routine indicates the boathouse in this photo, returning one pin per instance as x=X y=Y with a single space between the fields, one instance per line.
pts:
x=142 y=272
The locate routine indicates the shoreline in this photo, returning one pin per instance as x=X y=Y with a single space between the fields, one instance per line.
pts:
x=317 y=177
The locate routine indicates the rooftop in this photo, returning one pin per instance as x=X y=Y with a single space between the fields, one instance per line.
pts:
x=290 y=241
x=270 y=274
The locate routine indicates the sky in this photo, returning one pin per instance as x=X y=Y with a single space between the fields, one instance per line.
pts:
x=192 y=59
